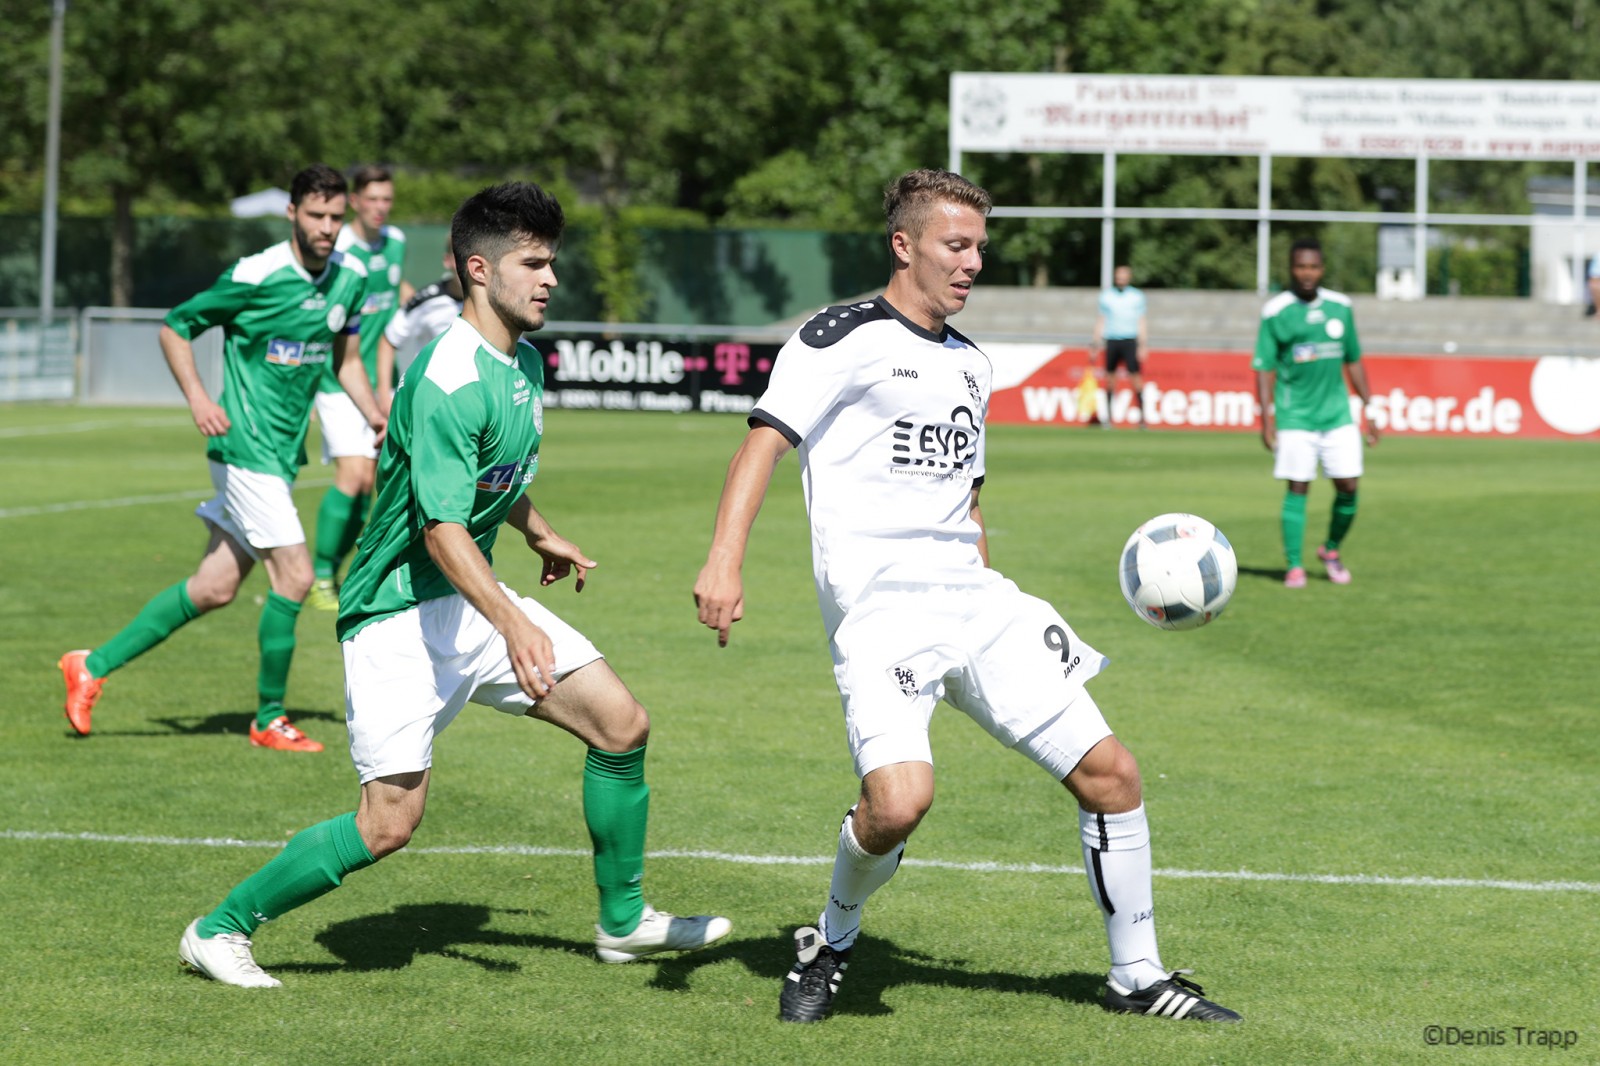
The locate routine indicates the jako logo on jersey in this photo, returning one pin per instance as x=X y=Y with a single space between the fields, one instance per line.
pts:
x=521 y=393
x=498 y=478
x=902 y=372
x=314 y=302
x=647 y=364
x=286 y=353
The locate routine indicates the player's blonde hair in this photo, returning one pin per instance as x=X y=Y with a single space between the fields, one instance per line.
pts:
x=908 y=199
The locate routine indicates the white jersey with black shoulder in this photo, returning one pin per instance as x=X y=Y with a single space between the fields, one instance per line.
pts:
x=888 y=420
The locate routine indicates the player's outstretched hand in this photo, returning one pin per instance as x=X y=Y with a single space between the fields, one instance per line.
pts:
x=720 y=599
x=561 y=557
x=209 y=417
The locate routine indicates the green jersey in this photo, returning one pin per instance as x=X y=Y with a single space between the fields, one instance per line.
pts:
x=1307 y=345
x=279 y=328
x=385 y=260
x=463 y=441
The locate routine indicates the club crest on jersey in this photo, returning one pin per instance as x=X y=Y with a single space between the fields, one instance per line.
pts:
x=286 y=353
x=337 y=315
x=538 y=415
x=973 y=390
x=905 y=679
x=498 y=478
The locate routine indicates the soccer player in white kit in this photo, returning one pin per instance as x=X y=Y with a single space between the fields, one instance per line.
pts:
x=886 y=405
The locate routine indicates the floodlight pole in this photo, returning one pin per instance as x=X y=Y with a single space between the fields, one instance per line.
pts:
x=52 y=171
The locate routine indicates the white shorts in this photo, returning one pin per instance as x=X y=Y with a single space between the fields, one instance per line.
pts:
x=256 y=510
x=1300 y=450
x=345 y=430
x=408 y=676
x=1008 y=660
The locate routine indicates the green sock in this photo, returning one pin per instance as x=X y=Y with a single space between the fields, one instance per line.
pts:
x=314 y=862
x=276 y=637
x=352 y=527
x=616 y=806
x=1344 y=516
x=1293 y=517
x=332 y=519
x=168 y=611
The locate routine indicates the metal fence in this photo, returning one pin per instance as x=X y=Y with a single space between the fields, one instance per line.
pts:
x=37 y=360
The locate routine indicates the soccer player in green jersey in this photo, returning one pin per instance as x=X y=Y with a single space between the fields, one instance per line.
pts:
x=285 y=313
x=1305 y=351
x=427 y=628
x=347 y=441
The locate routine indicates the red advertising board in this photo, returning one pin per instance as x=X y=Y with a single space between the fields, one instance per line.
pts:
x=1549 y=396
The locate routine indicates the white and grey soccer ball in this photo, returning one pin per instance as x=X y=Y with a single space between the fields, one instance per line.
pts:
x=1178 y=571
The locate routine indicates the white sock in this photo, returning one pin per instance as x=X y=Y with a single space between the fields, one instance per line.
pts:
x=857 y=874
x=1116 y=856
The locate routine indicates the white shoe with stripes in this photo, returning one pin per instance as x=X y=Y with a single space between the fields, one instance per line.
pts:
x=1173 y=997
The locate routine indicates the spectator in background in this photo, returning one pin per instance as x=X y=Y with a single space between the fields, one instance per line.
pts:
x=1592 y=285
x=1120 y=332
x=426 y=315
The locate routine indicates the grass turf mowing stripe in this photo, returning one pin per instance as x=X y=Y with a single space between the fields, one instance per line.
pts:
x=1376 y=880
x=135 y=501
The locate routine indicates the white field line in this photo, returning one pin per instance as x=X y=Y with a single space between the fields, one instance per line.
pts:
x=531 y=851
x=134 y=501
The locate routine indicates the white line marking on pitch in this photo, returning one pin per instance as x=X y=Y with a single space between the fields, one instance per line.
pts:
x=134 y=501
x=801 y=860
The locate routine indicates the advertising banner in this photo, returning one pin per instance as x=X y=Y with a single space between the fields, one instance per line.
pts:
x=643 y=373
x=1549 y=396
x=1379 y=117
x=1510 y=396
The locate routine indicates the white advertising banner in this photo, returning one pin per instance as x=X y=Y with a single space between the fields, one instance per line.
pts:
x=1381 y=118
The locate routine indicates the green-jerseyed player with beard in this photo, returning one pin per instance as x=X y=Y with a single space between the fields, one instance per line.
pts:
x=286 y=313
x=427 y=628
x=347 y=441
x=1305 y=349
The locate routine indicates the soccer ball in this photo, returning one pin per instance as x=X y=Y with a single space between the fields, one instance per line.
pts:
x=1178 y=571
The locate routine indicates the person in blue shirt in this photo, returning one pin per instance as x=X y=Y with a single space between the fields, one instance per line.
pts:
x=1120 y=331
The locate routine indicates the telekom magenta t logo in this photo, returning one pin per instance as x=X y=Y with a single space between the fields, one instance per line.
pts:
x=732 y=361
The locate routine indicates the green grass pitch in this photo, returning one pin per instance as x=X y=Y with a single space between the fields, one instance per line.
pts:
x=1373 y=806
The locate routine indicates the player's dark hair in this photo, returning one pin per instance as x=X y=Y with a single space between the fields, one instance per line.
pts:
x=318 y=178
x=493 y=221
x=908 y=199
x=363 y=176
x=1304 y=244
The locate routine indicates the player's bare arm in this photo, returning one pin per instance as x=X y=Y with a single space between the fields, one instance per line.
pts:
x=1264 y=383
x=1358 y=381
x=561 y=556
x=719 y=590
x=353 y=376
x=983 y=531
x=209 y=417
x=457 y=556
x=385 y=391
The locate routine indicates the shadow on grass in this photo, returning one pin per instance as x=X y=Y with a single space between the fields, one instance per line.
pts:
x=1269 y=573
x=222 y=723
x=394 y=940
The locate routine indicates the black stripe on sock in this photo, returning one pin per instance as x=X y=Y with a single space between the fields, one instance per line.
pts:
x=1099 y=886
